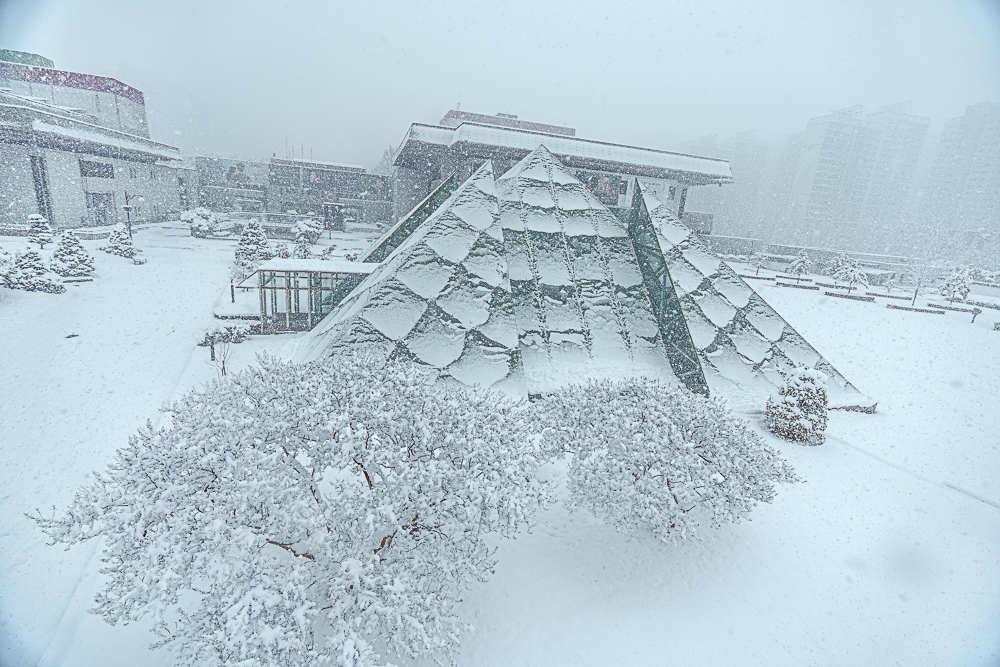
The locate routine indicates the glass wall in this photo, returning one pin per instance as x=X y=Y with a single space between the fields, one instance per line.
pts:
x=298 y=300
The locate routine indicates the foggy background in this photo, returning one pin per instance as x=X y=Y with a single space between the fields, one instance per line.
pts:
x=342 y=81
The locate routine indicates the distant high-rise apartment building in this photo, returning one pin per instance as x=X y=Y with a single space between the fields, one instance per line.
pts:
x=741 y=207
x=845 y=182
x=960 y=206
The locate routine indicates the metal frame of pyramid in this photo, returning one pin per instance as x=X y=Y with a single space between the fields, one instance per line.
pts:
x=523 y=281
x=740 y=339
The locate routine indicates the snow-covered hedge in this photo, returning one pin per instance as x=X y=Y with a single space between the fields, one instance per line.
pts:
x=798 y=412
x=325 y=513
x=656 y=458
x=305 y=515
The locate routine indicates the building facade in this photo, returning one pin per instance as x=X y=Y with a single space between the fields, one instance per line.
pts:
x=462 y=142
x=960 y=206
x=847 y=180
x=72 y=145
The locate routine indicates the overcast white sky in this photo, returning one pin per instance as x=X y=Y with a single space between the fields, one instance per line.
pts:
x=346 y=79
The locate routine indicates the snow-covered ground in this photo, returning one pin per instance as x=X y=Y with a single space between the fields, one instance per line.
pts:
x=888 y=553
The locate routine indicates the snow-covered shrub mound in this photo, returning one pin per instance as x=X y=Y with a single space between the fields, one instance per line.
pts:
x=307 y=514
x=202 y=222
x=649 y=457
x=232 y=333
x=29 y=273
x=310 y=228
x=71 y=259
x=798 y=413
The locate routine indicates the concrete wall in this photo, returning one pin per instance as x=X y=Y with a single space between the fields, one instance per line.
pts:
x=108 y=110
x=155 y=183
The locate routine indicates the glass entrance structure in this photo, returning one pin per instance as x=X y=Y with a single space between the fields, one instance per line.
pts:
x=295 y=294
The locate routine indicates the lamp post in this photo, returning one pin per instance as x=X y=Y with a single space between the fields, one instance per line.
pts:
x=128 y=212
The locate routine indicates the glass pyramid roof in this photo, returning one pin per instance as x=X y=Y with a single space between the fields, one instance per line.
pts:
x=740 y=339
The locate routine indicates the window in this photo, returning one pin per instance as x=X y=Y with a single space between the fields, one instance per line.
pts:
x=40 y=175
x=96 y=169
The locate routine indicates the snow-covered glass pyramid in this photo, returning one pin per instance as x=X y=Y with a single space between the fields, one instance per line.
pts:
x=743 y=344
x=518 y=282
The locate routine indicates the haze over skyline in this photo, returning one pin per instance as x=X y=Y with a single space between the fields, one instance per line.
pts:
x=344 y=81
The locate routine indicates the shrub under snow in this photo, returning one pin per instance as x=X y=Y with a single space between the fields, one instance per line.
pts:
x=71 y=259
x=29 y=273
x=651 y=457
x=308 y=514
x=798 y=413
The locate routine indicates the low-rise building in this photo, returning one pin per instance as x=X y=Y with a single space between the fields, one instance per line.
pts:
x=72 y=145
x=462 y=141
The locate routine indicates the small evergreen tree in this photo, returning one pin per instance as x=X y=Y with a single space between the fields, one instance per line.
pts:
x=800 y=265
x=958 y=284
x=6 y=264
x=756 y=260
x=850 y=272
x=70 y=258
x=251 y=250
x=28 y=273
x=39 y=230
x=282 y=251
x=303 y=246
x=798 y=413
x=120 y=243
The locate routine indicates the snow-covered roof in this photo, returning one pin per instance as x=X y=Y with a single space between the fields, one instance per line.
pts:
x=318 y=265
x=317 y=164
x=573 y=150
x=104 y=136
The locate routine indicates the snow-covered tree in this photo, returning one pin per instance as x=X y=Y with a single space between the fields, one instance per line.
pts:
x=120 y=243
x=958 y=284
x=71 y=259
x=202 y=221
x=798 y=412
x=650 y=457
x=6 y=264
x=313 y=514
x=309 y=227
x=39 y=230
x=251 y=250
x=384 y=165
x=303 y=246
x=30 y=274
x=800 y=265
x=850 y=271
x=836 y=264
x=282 y=251
x=756 y=259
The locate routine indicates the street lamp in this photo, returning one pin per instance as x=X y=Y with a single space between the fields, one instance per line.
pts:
x=128 y=212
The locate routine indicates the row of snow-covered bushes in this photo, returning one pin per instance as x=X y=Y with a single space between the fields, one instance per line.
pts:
x=69 y=260
x=334 y=513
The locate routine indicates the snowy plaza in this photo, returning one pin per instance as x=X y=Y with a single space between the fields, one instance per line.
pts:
x=500 y=335
x=889 y=543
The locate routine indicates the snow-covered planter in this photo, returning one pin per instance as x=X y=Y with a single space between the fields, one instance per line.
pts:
x=309 y=514
x=798 y=412
x=29 y=273
x=645 y=456
x=70 y=259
